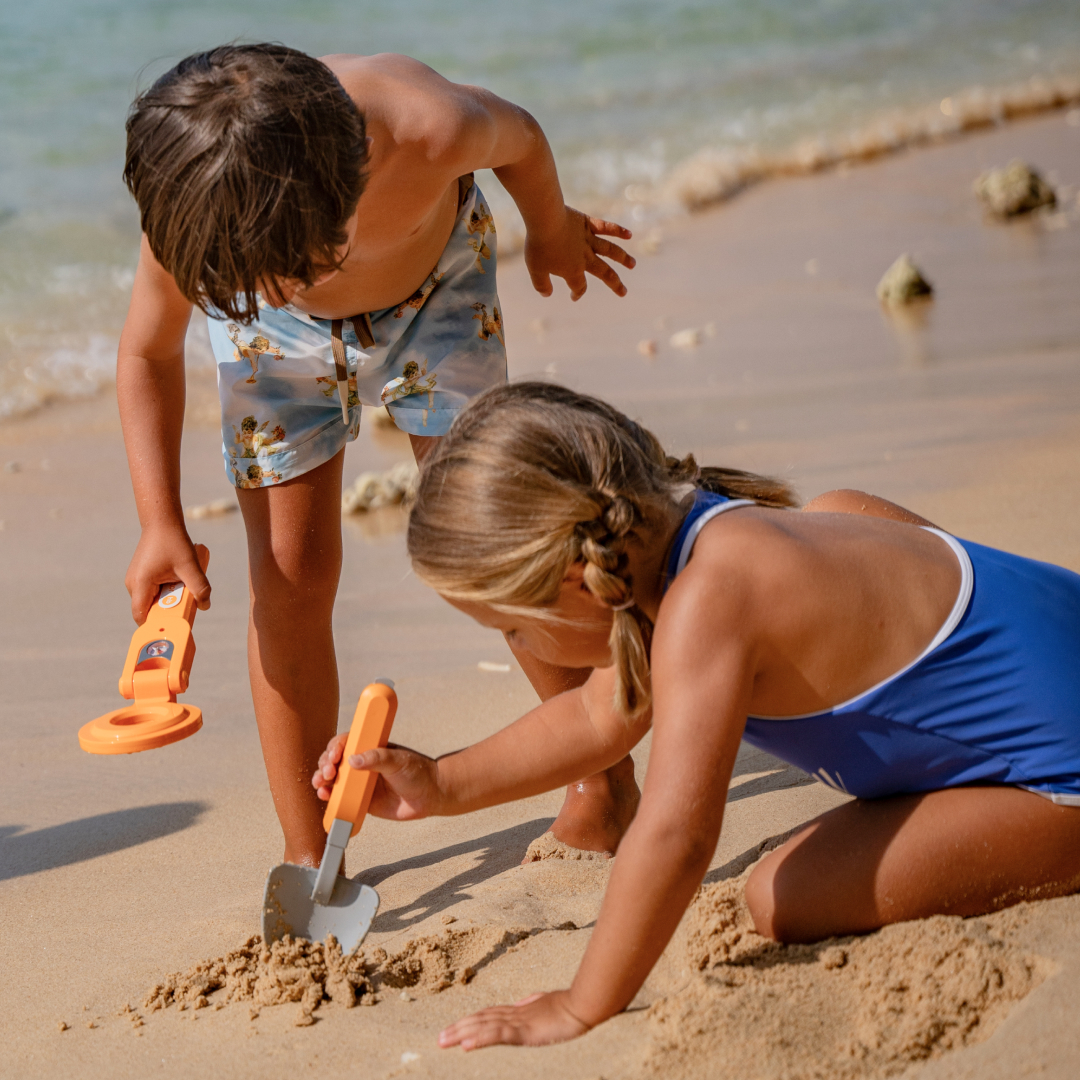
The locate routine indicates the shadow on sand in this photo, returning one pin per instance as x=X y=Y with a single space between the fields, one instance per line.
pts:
x=495 y=853
x=23 y=853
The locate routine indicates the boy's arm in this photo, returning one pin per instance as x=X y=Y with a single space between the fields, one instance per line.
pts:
x=559 y=240
x=150 y=391
x=455 y=129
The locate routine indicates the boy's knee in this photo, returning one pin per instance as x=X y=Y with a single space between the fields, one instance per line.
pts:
x=289 y=569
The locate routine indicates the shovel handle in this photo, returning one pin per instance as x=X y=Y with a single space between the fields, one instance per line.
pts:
x=353 y=788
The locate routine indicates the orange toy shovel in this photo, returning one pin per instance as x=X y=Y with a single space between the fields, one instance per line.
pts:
x=311 y=903
x=156 y=670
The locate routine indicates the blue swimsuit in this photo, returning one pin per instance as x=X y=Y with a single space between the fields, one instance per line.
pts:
x=994 y=698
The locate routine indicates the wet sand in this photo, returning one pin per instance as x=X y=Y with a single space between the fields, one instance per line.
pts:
x=117 y=870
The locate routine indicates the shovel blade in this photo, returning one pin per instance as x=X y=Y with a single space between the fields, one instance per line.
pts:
x=289 y=909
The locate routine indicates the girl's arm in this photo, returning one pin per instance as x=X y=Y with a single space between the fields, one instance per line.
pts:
x=569 y=736
x=702 y=686
x=849 y=501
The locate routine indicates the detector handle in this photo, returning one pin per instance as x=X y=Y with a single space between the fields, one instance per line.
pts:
x=161 y=652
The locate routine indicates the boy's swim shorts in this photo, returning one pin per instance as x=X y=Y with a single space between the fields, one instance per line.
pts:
x=281 y=407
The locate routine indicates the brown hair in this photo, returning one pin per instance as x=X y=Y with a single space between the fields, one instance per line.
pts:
x=533 y=478
x=247 y=162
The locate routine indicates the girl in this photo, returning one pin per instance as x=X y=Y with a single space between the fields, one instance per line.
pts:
x=936 y=680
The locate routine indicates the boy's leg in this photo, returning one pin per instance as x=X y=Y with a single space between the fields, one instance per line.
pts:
x=598 y=809
x=294 y=560
x=960 y=851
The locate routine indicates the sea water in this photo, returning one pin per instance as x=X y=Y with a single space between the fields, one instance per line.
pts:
x=650 y=105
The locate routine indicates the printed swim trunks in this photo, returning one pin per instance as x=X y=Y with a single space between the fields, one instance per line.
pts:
x=284 y=399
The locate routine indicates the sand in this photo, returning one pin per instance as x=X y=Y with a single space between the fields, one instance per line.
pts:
x=313 y=972
x=117 y=871
x=846 y=1007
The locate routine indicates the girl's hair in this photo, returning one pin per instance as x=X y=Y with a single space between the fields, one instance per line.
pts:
x=247 y=162
x=533 y=478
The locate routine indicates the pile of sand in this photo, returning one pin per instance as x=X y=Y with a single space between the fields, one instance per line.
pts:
x=848 y=1007
x=297 y=970
x=549 y=847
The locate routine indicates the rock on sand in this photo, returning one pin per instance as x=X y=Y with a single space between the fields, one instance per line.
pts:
x=902 y=283
x=1016 y=189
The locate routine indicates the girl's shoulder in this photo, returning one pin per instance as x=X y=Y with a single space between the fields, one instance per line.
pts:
x=737 y=559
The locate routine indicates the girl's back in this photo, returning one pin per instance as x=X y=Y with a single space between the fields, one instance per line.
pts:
x=838 y=602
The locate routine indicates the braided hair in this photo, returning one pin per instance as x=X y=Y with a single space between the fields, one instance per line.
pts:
x=534 y=478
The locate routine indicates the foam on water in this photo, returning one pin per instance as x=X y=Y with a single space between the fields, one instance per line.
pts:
x=651 y=109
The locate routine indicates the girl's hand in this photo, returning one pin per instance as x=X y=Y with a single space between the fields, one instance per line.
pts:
x=573 y=249
x=329 y=760
x=534 y=1021
x=408 y=786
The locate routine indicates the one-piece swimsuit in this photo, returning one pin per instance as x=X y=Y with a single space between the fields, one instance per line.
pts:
x=993 y=699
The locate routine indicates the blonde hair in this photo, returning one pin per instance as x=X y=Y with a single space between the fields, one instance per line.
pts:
x=533 y=478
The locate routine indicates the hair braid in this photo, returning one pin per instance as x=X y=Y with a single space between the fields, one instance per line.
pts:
x=603 y=541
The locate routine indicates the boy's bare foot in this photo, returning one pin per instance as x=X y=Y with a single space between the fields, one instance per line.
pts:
x=598 y=810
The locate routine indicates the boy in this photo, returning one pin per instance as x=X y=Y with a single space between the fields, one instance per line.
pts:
x=323 y=214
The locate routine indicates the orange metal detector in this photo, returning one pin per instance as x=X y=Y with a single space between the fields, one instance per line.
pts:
x=310 y=903
x=156 y=670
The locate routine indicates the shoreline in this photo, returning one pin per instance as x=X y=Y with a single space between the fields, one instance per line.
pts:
x=708 y=180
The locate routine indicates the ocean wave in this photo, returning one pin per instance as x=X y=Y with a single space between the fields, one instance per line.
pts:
x=714 y=175
x=72 y=371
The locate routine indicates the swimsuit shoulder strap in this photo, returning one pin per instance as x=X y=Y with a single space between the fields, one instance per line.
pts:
x=706 y=507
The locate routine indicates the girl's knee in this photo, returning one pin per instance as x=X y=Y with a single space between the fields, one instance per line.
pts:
x=761 y=898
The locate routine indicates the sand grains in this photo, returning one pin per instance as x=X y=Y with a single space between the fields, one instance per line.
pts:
x=851 y=1007
x=310 y=973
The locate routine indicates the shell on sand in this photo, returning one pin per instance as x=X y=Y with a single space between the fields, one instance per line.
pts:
x=217 y=508
x=686 y=339
x=902 y=283
x=1016 y=189
x=372 y=490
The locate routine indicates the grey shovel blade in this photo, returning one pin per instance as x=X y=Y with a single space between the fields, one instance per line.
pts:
x=289 y=909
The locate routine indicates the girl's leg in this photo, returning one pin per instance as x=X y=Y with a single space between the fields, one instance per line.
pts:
x=294 y=562
x=598 y=809
x=959 y=851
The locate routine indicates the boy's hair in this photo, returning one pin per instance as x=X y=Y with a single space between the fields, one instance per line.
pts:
x=247 y=162
x=533 y=478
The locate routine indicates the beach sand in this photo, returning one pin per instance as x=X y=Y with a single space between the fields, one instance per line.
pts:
x=117 y=871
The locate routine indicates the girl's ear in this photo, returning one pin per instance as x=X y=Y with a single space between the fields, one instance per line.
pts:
x=575 y=573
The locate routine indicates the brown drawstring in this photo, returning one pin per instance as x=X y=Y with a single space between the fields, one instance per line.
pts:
x=366 y=337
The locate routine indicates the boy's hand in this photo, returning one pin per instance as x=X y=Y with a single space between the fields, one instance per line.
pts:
x=408 y=786
x=534 y=1021
x=163 y=555
x=572 y=249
